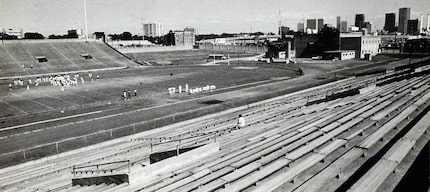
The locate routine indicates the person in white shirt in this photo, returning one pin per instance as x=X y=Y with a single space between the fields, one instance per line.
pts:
x=241 y=121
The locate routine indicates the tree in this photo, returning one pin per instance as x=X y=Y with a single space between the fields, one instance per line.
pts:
x=34 y=35
x=126 y=36
x=169 y=39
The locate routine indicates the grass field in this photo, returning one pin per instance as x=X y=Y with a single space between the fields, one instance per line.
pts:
x=151 y=85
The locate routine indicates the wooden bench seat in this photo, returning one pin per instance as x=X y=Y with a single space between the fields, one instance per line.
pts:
x=374 y=137
x=286 y=176
x=206 y=179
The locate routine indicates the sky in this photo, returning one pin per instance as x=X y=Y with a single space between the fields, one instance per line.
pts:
x=207 y=16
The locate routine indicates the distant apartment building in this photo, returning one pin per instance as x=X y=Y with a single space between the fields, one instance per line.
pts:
x=153 y=29
x=301 y=27
x=390 y=22
x=186 y=37
x=320 y=24
x=359 y=21
x=311 y=26
x=404 y=16
x=338 y=23
x=363 y=45
x=343 y=26
x=412 y=28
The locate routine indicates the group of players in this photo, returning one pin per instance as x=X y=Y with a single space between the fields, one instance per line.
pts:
x=59 y=80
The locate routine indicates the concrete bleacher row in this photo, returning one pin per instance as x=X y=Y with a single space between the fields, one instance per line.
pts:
x=20 y=58
x=282 y=142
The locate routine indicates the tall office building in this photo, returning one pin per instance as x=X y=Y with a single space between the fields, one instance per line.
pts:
x=311 y=25
x=368 y=27
x=390 y=22
x=320 y=24
x=338 y=23
x=359 y=21
x=412 y=28
x=343 y=27
x=283 y=31
x=404 y=16
x=301 y=27
x=152 y=29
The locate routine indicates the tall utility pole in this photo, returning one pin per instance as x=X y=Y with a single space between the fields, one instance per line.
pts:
x=86 y=23
x=280 y=17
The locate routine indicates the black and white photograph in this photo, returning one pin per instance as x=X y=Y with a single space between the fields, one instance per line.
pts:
x=214 y=95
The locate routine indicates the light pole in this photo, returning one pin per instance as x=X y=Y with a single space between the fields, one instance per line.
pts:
x=86 y=23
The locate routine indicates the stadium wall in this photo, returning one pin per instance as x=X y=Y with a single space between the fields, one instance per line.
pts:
x=152 y=49
x=246 y=48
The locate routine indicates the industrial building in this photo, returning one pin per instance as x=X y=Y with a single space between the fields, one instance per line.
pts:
x=186 y=37
x=282 y=50
x=363 y=45
x=305 y=44
x=417 y=46
x=339 y=54
x=404 y=16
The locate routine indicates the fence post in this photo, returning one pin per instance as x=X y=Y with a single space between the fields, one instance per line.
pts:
x=150 y=145
x=134 y=127
x=73 y=171
x=128 y=161
x=56 y=146
x=110 y=132
x=177 y=150
x=24 y=154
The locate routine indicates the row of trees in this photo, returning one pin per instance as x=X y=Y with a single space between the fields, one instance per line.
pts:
x=35 y=35
x=125 y=36
x=168 y=39
x=226 y=35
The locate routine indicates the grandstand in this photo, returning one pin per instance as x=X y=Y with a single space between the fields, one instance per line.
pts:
x=358 y=134
x=29 y=57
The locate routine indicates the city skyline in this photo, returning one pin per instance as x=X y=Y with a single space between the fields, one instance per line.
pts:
x=115 y=16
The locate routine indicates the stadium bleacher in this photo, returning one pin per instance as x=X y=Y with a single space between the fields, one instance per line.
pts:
x=18 y=58
x=287 y=145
